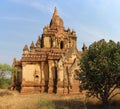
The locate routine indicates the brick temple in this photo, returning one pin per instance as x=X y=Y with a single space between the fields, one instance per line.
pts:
x=50 y=65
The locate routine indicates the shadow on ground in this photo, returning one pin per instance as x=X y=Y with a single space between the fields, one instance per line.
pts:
x=73 y=104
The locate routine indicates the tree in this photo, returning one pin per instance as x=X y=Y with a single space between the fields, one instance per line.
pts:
x=100 y=70
x=5 y=71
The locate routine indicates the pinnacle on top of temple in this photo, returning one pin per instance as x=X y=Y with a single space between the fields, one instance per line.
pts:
x=32 y=45
x=55 y=12
x=56 y=21
x=84 y=48
x=38 y=42
x=25 y=48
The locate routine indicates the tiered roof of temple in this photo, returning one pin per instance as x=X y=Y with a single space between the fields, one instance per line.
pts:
x=58 y=42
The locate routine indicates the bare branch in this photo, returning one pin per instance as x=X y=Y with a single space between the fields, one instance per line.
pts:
x=98 y=96
x=115 y=86
x=113 y=95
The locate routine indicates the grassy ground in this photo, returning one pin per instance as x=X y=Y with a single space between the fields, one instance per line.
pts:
x=14 y=100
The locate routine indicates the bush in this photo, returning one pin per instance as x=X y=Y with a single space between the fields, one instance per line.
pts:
x=4 y=93
x=5 y=83
x=45 y=104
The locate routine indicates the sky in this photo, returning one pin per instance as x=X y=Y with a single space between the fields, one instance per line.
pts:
x=22 y=21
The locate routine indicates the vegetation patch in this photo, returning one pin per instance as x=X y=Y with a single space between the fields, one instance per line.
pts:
x=5 y=93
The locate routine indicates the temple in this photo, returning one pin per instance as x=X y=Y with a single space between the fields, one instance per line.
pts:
x=49 y=65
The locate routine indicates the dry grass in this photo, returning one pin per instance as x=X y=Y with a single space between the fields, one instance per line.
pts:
x=14 y=100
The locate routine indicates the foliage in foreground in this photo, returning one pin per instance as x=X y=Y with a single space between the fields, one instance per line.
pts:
x=68 y=104
x=5 y=73
x=50 y=101
x=5 y=83
x=41 y=104
x=100 y=70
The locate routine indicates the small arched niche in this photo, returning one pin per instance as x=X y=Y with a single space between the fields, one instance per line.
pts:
x=36 y=78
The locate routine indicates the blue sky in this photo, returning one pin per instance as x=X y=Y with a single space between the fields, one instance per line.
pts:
x=21 y=21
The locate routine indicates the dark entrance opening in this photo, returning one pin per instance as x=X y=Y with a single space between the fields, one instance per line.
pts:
x=46 y=76
x=55 y=81
x=61 y=45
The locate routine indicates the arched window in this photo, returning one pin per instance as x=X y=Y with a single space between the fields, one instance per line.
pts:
x=61 y=45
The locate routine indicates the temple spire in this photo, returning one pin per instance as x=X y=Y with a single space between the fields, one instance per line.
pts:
x=56 y=21
x=38 y=43
x=32 y=47
x=55 y=12
x=84 y=48
x=25 y=49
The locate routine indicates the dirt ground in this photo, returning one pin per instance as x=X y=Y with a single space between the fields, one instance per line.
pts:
x=15 y=100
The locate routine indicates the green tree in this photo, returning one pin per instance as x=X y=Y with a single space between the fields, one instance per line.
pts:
x=5 y=71
x=100 y=70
